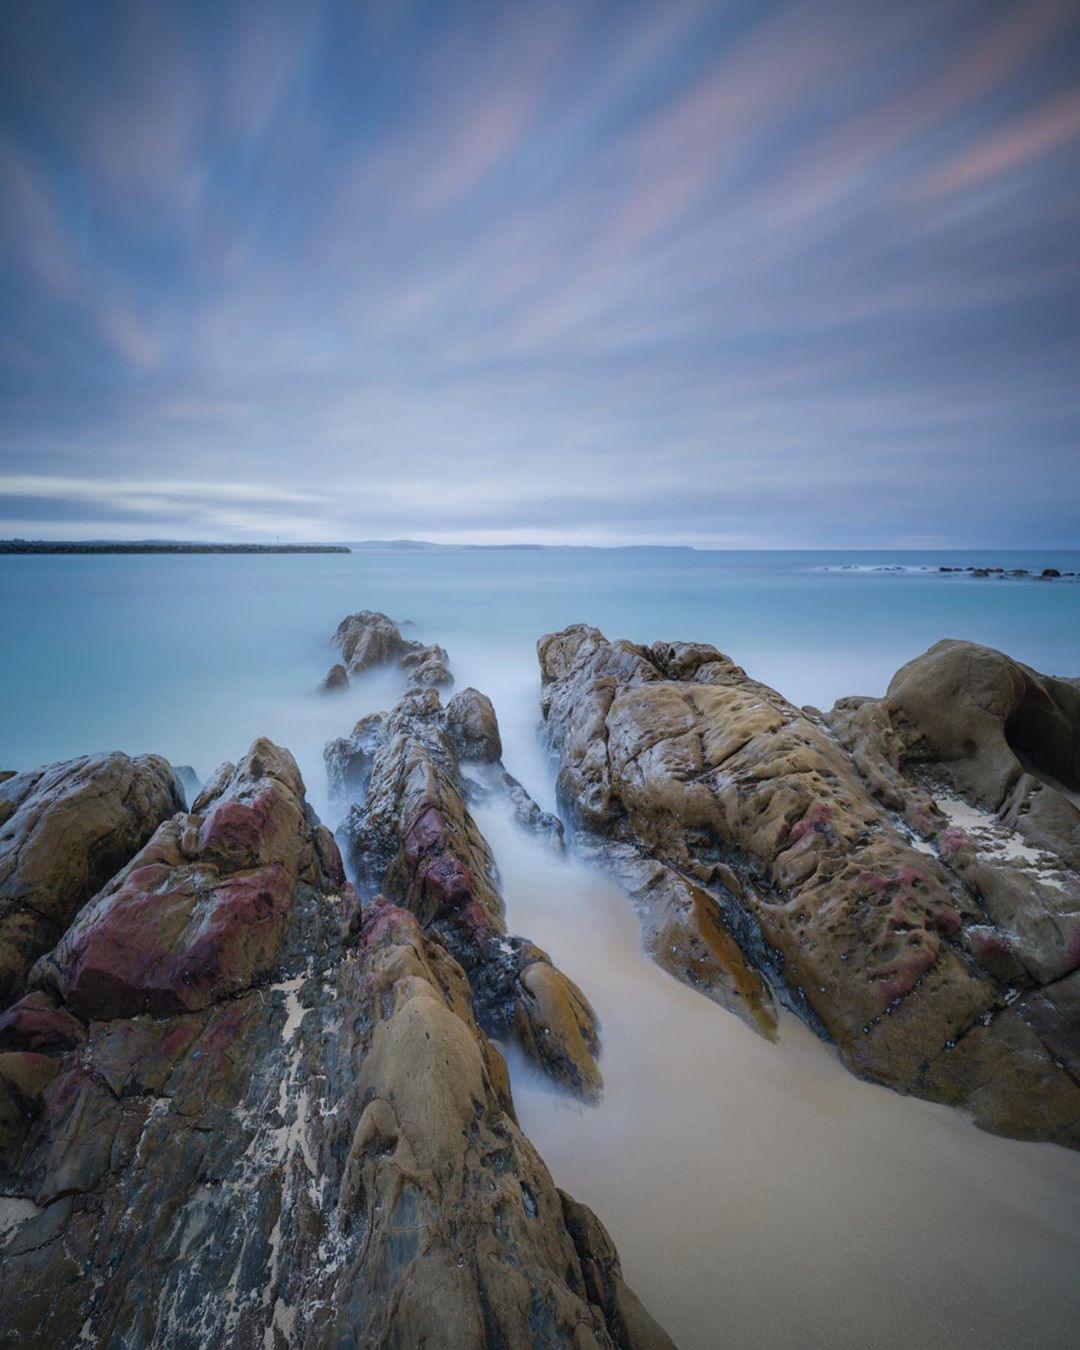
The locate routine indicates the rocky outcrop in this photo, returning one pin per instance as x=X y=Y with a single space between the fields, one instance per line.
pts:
x=717 y=801
x=197 y=915
x=335 y=681
x=368 y=639
x=472 y=727
x=413 y=838
x=64 y=830
x=234 y=1111
x=1005 y=737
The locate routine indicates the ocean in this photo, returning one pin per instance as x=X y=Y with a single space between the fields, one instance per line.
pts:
x=759 y=1194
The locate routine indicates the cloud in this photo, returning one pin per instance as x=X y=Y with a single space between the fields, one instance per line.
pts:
x=1012 y=147
x=618 y=271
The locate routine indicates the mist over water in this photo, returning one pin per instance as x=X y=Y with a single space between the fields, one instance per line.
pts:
x=759 y=1194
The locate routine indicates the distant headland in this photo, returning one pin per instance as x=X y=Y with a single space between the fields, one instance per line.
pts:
x=157 y=546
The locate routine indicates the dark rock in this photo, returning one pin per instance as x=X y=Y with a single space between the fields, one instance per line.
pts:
x=1050 y=572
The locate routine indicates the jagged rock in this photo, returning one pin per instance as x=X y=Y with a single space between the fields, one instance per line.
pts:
x=64 y=830
x=414 y=839
x=427 y=667
x=349 y=759
x=486 y=784
x=198 y=913
x=335 y=681
x=326 y=1156
x=692 y=775
x=368 y=639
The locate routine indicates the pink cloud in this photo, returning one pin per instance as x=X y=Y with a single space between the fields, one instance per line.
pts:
x=1038 y=134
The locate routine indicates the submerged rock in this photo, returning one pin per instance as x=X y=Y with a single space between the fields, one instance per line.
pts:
x=227 y=1125
x=64 y=830
x=700 y=783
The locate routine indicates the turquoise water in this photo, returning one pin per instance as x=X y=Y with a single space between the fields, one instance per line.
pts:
x=760 y=1195
x=191 y=655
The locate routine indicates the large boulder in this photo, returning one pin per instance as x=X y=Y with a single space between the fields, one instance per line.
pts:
x=692 y=775
x=300 y=1138
x=64 y=830
x=980 y=754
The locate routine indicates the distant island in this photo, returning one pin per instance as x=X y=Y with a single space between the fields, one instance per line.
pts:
x=158 y=546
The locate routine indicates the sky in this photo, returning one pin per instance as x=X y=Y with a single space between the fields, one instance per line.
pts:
x=738 y=274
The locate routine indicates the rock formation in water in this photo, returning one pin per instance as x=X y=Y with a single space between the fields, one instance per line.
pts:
x=235 y=1111
x=412 y=838
x=368 y=639
x=826 y=854
x=64 y=830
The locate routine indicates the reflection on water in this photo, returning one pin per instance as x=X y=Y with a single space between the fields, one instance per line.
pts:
x=760 y=1195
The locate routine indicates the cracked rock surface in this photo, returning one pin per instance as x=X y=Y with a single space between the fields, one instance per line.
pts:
x=64 y=831
x=780 y=854
x=412 y=837
x=236 y=1111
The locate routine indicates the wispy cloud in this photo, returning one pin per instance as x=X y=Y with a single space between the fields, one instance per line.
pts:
x=746 y=271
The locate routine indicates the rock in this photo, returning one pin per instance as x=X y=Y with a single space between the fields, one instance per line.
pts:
x=328 y=1156
x=1049 y=572
x=38 y=1024
x=988 y=718
x=349 y=759
x=369 y=639
x=556 y=1025
x=64 y=830
x=198 y=913
x=335 y=681
x=959 y=739
x=472 y=727
x=427 y=667
x=414 y=839
x=687 y=774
